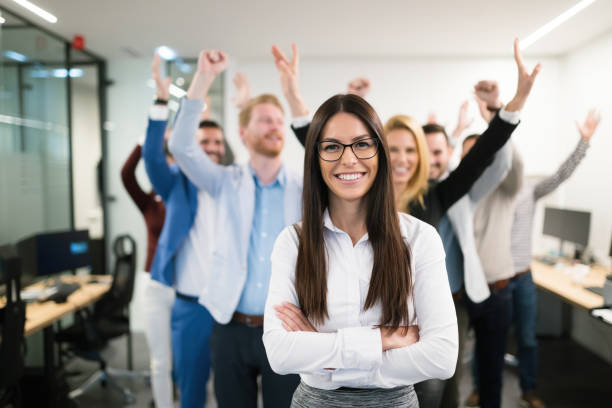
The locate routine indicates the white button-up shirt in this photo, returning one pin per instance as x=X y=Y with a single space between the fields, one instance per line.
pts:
x=348 y=342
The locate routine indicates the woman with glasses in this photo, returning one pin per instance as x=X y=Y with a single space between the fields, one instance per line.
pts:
x=359 y=303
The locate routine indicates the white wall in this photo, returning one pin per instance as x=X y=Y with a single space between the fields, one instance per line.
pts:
x=586 y=83
x=86 y=152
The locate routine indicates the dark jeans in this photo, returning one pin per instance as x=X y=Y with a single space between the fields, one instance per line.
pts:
x=429 y=393
x=524 y=316
x=491 y=321
x=238 y=357
x=450 y=397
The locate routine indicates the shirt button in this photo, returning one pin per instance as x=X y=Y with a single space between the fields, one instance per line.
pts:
x=259 y=285
x=262 y=259
x=264 y=234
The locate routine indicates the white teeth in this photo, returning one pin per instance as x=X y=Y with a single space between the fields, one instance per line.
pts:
x=351 y=176
x=400 y=169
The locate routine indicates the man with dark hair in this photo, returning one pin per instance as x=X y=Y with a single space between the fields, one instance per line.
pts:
x=440 y=149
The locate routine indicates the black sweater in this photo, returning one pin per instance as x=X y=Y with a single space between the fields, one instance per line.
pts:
x=440 y=196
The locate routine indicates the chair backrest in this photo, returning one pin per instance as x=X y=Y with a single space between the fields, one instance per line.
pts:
x=12 y=320
x=118 y=298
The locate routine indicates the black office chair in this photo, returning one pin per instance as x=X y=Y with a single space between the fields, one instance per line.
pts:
x=109 y=319
x=12 y=321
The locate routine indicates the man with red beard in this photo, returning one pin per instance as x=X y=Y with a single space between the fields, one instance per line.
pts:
x=255 y=201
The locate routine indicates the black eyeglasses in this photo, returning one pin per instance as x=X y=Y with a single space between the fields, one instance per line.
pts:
x=333 y=151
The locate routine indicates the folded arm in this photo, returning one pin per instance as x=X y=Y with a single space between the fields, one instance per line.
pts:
x=310 y=352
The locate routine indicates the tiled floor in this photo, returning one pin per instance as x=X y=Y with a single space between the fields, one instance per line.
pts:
x=570 y=377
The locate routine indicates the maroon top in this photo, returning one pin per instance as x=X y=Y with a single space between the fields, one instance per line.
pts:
x=150 y=204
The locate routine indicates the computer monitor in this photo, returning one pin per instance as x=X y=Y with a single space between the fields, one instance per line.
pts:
x=53 y=252
x=567 y=225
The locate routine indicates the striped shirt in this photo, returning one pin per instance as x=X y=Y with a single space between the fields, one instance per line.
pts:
x=526 y=202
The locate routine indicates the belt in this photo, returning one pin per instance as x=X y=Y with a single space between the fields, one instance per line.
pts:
x=522 y=273
x=249 y=320
x=498 y=285
x=188 y=298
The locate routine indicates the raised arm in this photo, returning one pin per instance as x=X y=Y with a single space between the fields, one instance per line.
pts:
x=460 y=181
x=463 y=122
x=497 y=171
x=243 y=90
x=192 y=160
x=549 y=184
x=153 y=153
x=288 y=72
x=128 y=177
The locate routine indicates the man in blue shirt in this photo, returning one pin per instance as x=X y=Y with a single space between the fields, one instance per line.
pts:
x=254 y=202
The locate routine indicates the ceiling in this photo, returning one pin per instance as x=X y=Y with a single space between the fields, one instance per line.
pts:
x=322 y=28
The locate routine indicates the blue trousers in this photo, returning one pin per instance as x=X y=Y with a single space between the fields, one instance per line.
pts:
x=191 y=326
x=524 y=316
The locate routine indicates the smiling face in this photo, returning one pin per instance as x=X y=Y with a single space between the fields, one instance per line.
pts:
x=211 y=141
x=264 y=133
x=439 y=154
x=348 y=178
x=404 y=154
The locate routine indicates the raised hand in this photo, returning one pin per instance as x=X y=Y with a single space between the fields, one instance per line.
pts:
x=463 y=122
x=243 y=90
x=288 y=71
x=432 y=118
x=488 y=92
x=162 y=84
x=525 y=80
x=210 y=64
x=590 y=124
x=485 y=113
x=292 y=318
x=359 y=86
x=401 y=337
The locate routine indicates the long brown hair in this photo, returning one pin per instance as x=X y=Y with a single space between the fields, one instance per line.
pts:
x=391 y=281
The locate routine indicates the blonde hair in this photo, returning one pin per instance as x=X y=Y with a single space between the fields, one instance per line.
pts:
x=245 y=114
x=417 y=185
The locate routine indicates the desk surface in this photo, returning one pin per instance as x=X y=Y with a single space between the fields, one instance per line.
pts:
x=562 y=284
x=41 y=315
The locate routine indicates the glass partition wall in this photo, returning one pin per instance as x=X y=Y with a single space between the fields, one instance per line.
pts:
x=51 y=100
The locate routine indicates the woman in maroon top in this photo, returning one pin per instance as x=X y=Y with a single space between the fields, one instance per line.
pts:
x=150 y=204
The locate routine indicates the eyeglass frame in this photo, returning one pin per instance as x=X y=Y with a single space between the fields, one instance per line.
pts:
x=344 y=146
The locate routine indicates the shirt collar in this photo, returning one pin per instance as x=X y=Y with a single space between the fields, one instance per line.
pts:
x=327 y=223
x=281 y=177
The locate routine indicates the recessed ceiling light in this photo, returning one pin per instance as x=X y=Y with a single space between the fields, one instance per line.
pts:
x=15 y=56
x=2 y=20
x=554 y=23
x=44 y=14
x=166 y=52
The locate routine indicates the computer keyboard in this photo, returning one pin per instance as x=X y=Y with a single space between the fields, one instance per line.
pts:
x=63 y=291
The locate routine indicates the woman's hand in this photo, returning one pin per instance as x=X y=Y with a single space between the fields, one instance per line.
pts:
x=292 y=318
x=525 y=81
x=400 y=337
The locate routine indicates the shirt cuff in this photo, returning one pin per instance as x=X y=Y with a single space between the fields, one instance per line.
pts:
x=158 y=112
x=362 y=347
x=511 y=117
x=300 y=121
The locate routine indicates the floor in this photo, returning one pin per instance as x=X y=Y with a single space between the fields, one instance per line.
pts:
x=570 y=377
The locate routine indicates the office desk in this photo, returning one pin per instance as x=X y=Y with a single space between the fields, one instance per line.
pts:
x=41 y=315
x=561 y=284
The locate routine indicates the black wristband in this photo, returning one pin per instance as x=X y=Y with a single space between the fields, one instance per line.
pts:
x=160 y=101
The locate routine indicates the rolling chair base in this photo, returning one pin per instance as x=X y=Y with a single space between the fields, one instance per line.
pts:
x=104 y=378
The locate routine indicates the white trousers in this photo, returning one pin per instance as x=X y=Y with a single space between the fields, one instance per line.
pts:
x=158 y=302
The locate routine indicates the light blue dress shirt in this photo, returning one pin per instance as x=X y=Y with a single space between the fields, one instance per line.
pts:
x=454 y=255
x=268 y=222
